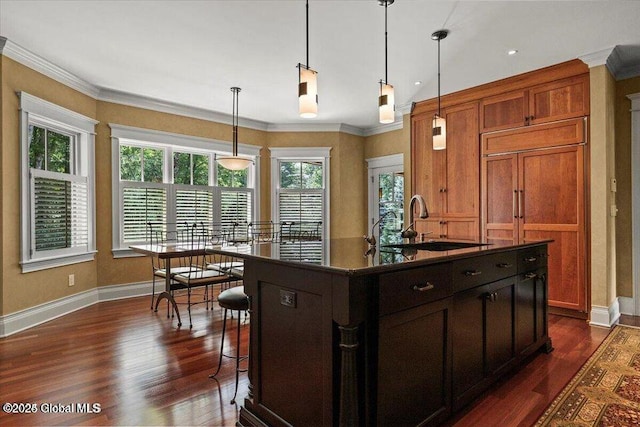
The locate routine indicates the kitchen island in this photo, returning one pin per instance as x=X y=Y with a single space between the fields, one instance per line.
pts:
x=387 y=336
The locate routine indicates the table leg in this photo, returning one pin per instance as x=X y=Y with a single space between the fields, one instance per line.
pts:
x=167 y=292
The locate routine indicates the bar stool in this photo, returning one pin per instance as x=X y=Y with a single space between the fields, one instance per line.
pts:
x=232 y=299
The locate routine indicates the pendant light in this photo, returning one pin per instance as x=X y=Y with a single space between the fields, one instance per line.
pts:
x=307 y=85
x=386 y=100
x=439 y=123
x=234 y=162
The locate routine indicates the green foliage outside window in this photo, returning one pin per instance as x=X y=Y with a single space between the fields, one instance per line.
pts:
x=182 y=168
x=49 y=150
x=229 y=178
x=141 y=164
x=301 y=175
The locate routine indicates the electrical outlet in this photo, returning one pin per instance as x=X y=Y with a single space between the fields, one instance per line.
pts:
x=72 y=279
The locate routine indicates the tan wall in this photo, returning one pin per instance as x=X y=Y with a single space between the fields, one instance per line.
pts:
x=1 y=198
x=602 y=169
x=623 y=177
x=27 y=290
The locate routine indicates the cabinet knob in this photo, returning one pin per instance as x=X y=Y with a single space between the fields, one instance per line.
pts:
x=472 y=273
x=426 y=287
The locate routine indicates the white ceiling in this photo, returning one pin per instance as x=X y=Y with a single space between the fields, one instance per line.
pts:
x=192 y=52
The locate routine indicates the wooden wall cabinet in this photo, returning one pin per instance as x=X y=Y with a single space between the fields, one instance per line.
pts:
x=539 y=194
x=449 y=179
x=543 y=103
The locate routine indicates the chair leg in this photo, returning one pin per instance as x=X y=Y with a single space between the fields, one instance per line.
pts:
x=189 y=306
x=224 y=327
x=153 y=290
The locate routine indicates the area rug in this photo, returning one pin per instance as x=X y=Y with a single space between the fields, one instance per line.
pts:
x=606 y=390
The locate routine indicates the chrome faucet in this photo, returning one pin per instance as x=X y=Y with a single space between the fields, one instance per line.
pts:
x=409 y=232
x=372 y=238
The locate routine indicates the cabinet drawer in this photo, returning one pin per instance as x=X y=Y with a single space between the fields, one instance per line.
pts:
x=532 y=258
x=410 y=288
x=471 y=272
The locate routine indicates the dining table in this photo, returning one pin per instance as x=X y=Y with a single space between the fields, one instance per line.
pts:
x=167 y=252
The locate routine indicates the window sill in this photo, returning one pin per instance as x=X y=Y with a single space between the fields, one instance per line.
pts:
x=125 y=253
x=59 y=261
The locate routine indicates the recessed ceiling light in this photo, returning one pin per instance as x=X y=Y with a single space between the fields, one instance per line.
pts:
x=512 y=52
x=417 y=83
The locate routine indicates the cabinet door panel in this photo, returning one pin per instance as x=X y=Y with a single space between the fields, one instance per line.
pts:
x=413 y=374
x=429 y=167
x=499 y=318
x=559 y=100
x=553 y=208
x=552 y=184
x=503 y=111
x=461 y=229
x=468 y=347
x=462 y=193
x=567 y=288
x=499 y=183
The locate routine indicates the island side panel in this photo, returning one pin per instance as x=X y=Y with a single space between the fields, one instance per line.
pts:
x=291 y=346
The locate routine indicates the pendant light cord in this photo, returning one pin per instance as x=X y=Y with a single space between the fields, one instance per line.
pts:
x=307 y=34
x=386 y=79
x=439 y=77
x=234 y=117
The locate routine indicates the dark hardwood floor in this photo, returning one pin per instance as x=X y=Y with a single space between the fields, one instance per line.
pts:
x=142 y=370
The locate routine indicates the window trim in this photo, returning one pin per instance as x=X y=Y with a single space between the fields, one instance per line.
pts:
x=299 y=154
x=186 y=143
x=38 y=111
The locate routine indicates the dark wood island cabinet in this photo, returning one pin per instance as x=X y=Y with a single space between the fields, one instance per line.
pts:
x=406 y=338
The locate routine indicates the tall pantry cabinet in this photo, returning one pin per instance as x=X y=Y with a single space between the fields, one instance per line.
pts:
x=514 y=170
x=536 y=194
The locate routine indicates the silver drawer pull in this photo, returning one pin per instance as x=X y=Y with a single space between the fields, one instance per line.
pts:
x=472 y=273
x=426 y=287
x=531 y=259
x=530 y=276
x=504 y=265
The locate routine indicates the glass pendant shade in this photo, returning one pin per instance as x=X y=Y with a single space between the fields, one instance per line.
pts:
x=386 y=103
x=307 y=92
x=234 y=163
x=439 y=133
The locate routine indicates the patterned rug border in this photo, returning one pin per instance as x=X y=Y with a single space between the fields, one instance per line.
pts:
x=569 y=387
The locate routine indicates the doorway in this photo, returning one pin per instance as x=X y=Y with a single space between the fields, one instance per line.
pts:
x=386 y=198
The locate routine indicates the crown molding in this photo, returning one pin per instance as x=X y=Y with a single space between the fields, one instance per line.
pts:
x=41 y=65
x=597 y=58
x=376 y=130
x=619 y=69
x=118 y=97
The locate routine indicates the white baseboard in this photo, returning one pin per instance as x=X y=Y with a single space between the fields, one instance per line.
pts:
x=605 y=316
x=627 y=306
x=32 y=316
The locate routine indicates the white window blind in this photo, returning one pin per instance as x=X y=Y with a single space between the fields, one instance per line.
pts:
x=60 y=211
x=193 y=205
x=141 y=205
x=302 y=206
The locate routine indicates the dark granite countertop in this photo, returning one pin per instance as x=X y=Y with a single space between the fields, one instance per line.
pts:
x=354 y=256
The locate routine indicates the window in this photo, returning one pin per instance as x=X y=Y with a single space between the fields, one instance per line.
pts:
x=57 y=185
x=300 y=192
x=169 y=178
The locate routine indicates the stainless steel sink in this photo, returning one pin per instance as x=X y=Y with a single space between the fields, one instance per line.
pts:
x=435 y=245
